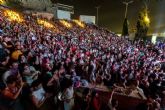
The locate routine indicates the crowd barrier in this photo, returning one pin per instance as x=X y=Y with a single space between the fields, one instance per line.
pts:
x=124 y=102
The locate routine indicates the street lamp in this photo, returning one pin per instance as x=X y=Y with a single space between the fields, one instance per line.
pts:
x=125 y=31
x=126 y=8
x=97 y=16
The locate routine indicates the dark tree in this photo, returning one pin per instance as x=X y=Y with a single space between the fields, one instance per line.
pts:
x=143 y=24
x=125 y=28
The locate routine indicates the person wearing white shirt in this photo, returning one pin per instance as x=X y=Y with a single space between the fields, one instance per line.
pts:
x=68 y=96
x=38 y=95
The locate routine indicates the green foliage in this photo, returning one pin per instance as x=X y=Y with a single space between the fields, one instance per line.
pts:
x=54 y=1
x=143 y=24
x=143 y=18
x=15 y=5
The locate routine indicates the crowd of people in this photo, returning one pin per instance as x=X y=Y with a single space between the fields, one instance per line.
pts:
x=41 y=68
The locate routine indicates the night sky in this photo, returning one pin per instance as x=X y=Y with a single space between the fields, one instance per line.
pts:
x=111 y=13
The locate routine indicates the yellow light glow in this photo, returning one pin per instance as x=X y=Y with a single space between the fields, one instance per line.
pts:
x=147 y=20
x=79 y=23
x=66 y=24
x=13 y=16
x=2 y=2
x=45 y=23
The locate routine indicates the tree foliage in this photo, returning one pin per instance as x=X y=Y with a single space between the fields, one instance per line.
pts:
x=15 y=4
x=143 y=24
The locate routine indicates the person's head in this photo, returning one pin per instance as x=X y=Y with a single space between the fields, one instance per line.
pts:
x=22 y=59
x=15 y=65
x=108 y=76
x=11 y=81
x=18 y=46
x=6 y=39
x=26 y=68
x=36 y=85
x=69 y=83
x=135 y=83
x=160 y=77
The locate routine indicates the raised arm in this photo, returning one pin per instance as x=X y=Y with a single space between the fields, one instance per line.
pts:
x=13 y=96
x=110 y=99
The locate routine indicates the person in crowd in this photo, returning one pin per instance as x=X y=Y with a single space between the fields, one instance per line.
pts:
x=37 y=95
x=4 y=58
x=14 y=71
x=29 y=74
x=17 y=52
x=85 y=99
x=12 y=92
x=135 y=91
x=94 y=103
x=68 y=96
x=112 y=103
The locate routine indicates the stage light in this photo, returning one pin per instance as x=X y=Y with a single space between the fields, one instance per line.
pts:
x=45 y=23
x=66 y=24
x=147 y=20
x=79 y=23
x=2 y=2
x=13 y=16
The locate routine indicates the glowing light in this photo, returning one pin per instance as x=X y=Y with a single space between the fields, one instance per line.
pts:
x=45 y=23
x=79 y=23
x=2 y=2
x=13 y=16
x=119 y=35
x=147 y=20
x=66 y=24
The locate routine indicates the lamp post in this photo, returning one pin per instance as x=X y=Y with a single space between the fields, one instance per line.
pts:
x=97 y=16
x=126 y=8
x=125 y=24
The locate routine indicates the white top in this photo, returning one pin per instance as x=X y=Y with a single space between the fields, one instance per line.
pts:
x=39 y=94
x=5 y=76
x=68 y=94
x=138 y=93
